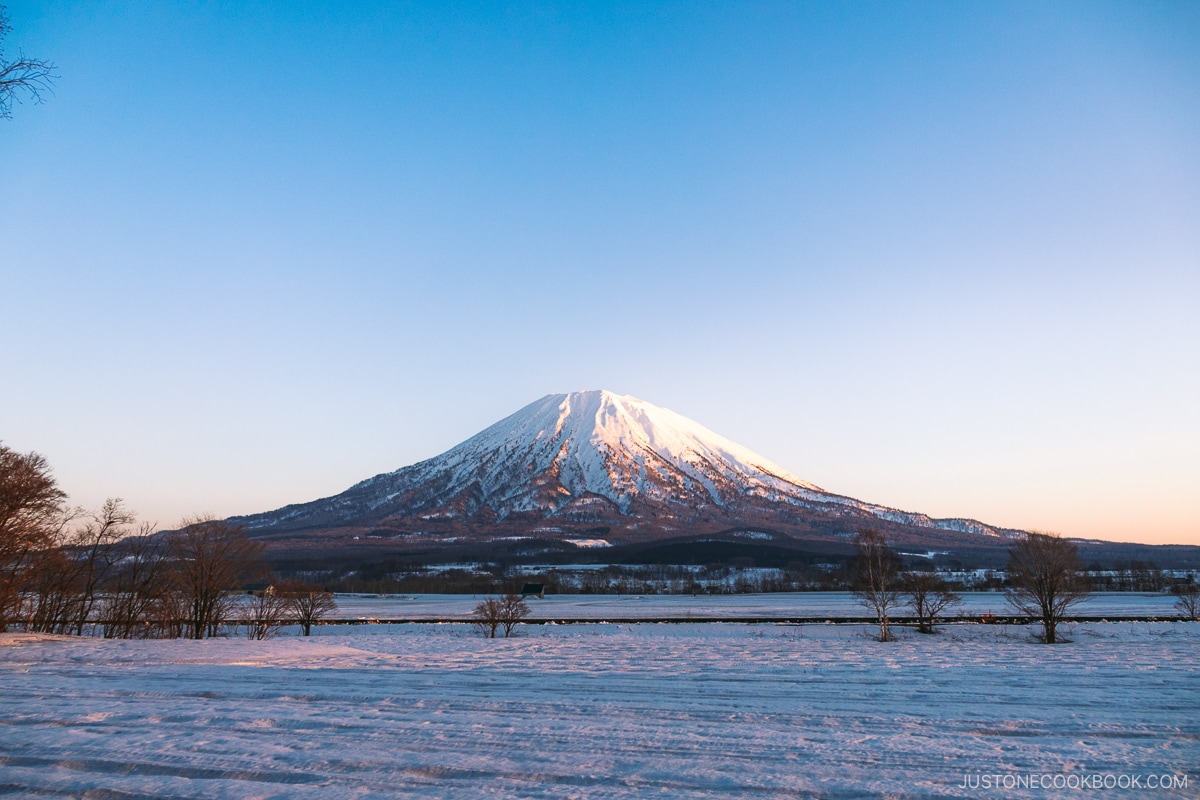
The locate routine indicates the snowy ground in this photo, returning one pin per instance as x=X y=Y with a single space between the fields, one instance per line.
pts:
x=600 y=711
x=777 y=606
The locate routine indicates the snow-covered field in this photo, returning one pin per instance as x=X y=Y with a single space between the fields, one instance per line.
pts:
x=774 y=606
x=598 y=711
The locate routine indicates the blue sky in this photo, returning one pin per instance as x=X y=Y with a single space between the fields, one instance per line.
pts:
x=941 y=257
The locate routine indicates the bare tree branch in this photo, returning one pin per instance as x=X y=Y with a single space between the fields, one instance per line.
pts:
x=27 y=76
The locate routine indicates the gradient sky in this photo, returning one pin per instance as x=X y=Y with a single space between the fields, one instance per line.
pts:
x=944 y=257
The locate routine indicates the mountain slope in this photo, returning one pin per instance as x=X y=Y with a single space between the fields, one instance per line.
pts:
x=569 y=464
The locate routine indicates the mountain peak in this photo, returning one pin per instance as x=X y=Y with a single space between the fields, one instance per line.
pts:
x=591 y=458
x=602 y=424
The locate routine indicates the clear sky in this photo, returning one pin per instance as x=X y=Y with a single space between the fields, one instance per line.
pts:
x=940 y=256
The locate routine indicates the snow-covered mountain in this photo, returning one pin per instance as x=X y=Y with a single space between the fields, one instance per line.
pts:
x=587 y=461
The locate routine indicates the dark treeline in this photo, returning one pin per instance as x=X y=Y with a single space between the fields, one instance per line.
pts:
x=397 y=577
x=1131 y=576
x=716 y=579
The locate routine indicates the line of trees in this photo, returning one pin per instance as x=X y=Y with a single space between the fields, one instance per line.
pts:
x=65 y=571
x=289 y=602
x=399 y=576
x=1045 y=574
x=879 y=584
x=1130 y=576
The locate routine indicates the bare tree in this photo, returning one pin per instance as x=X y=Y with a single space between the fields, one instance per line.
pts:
x=50 y=592
x=1187 y=599
x=512 y=610
x=29 y=75
x=91 y=553
x=263 y=613
x=170 y=611
x=32 y=513
x=496 y=613
x=875 y=581
x=486 y=616
x=137 y=596
x=211 y=558
x=308 y=604
x=1046 y=577
x=928 y=597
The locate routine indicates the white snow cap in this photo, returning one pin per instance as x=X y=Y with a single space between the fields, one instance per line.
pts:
x=615 y=446
x=603 y=417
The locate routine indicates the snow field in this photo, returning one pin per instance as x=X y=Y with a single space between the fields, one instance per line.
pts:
x=596 y=711
x=779 y=605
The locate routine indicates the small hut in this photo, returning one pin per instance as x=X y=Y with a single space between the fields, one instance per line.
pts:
x=537 y=590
